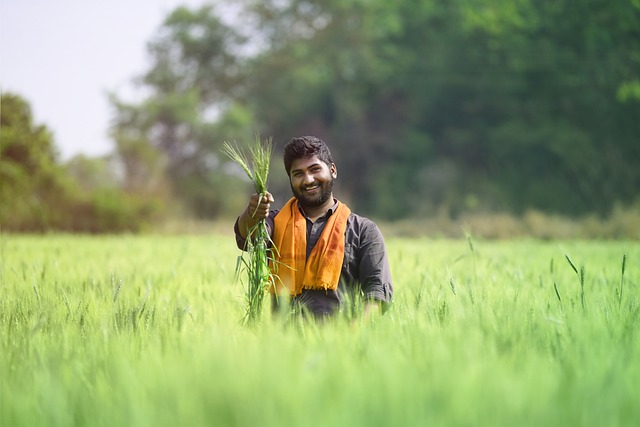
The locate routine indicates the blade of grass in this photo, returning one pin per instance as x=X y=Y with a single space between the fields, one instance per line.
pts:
x=624 y=264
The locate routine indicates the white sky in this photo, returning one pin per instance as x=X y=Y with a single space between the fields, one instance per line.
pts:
x=63 y=56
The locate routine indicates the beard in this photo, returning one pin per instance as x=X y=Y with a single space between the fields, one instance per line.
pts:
x=326 y=189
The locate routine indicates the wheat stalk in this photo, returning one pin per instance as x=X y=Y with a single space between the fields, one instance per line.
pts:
x=257 y=252
x=624 y=264
x=580 y=278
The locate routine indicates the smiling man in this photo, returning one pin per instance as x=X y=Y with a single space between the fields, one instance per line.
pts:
x=326 y=254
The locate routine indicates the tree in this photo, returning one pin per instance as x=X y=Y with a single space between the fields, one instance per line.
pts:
x=37 y=193
x=31 y=183
x=191 y=109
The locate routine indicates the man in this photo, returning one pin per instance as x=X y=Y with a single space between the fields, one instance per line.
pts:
x=325 y=254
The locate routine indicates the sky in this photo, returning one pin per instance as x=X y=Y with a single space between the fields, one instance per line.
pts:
x=65 y=56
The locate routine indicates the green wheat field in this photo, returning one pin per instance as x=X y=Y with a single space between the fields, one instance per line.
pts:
x=147 y=331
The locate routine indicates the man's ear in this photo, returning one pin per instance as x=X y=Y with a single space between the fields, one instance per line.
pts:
x=334 y=171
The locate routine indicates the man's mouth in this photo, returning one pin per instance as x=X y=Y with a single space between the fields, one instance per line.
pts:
x=311 y=188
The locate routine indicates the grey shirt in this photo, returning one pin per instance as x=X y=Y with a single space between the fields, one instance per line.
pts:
x=365 y=268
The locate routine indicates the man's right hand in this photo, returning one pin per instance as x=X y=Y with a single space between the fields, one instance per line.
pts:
x=259 y=206
x=257 y=209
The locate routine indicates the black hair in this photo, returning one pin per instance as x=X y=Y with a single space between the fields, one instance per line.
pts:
x=303 y=147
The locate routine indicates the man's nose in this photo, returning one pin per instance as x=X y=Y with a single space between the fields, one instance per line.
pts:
x=307 y=178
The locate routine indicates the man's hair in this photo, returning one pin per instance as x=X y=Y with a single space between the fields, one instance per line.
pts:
x=303 y=147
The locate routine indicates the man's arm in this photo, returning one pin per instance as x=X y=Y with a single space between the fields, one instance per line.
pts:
x=375 y=274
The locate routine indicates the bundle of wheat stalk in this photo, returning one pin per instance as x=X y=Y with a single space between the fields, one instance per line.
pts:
x=254 y=260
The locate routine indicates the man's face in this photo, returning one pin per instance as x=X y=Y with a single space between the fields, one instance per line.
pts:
x=312 y=181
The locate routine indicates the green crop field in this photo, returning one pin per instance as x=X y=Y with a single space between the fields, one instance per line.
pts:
x=146 y=331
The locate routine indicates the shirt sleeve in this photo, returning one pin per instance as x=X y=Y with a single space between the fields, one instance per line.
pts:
x=374 y=270
x=241 y=242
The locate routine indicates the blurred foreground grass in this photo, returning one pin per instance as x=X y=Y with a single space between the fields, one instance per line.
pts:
x=145 y=331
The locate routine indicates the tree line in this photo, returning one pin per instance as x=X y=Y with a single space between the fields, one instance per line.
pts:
x=466 y=104
x=429 y=106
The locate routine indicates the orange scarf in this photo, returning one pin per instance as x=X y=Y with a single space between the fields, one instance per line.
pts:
x=293 y=271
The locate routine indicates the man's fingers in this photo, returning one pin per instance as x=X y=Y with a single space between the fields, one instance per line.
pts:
x=260 y=204
x=266 y=198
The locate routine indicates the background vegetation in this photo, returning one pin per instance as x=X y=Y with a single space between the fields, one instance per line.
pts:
x=432 y=108
x=37 y=193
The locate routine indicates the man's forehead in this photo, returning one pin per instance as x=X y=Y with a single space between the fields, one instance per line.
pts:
x=306 y=162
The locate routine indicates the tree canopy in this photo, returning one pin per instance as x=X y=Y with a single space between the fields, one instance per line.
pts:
x=38 y=193
x=427 y=105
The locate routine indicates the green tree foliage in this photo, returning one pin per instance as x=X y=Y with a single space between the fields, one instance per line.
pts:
x=32 y=187
x=191 y=109
x=456 y=105
x=37 y=193
x=512 y=104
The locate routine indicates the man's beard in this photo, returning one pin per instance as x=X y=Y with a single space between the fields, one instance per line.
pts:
x=325 y=193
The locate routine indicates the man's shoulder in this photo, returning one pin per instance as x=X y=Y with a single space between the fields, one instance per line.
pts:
x=359 y=218
x=362 y=224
